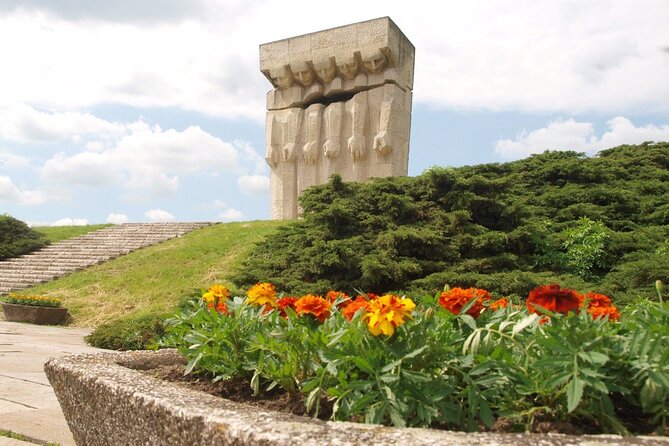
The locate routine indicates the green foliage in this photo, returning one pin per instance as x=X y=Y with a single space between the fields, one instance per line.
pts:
x=16 y=238
x=560 y=216
x=133 y=333
x=443 y=370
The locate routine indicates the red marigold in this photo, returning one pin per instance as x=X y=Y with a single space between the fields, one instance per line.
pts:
x=286 y=302
x=222 y=308
x=499 y=304
x=354 y=306
x=553 y=298
x=314 y=305
x=455 y=299
x=371 y=296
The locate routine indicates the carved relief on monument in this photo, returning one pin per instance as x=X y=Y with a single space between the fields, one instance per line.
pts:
x=341 y=103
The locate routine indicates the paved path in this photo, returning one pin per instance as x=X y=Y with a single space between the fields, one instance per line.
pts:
x=28 y=405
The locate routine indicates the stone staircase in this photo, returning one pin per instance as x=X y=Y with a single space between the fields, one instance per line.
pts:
x=67 y=256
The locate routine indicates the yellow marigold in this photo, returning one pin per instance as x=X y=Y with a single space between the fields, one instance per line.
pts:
x=262 y=294
x=387 y=313
x=314 y=305
x=215 y=294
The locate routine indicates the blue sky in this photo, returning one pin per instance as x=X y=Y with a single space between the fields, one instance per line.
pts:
x=139 y=110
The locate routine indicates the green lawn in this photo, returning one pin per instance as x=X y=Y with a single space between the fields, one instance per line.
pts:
x=153 y=280
x=58 y=233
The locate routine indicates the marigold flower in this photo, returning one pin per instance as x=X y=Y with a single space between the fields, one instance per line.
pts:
x=334 y=295
x=222 y=308
x=600 y=305
x=554 y=299
x=216 y=292
x=315 y=305
x=262 y=294
x=285 y=302
x=455 y=299
x=499 y=304
x=387 y=313
x=215 y=296
x=353 y=307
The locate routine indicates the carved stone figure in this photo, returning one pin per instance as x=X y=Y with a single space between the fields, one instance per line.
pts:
x=340 y=103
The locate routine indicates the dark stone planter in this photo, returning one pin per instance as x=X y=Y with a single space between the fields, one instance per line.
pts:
x=106 y=401
x=33 y=314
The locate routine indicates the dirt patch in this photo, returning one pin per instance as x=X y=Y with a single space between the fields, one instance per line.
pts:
x=237 y=390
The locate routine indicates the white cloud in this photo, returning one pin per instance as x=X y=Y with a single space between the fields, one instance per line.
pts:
x=579 y=136
x=494 y=54
x=158 y=215
x=10 y=160
x=9 y=192
x=23 y=123
x=247 y=150
x=70 y=222
x=117 y=219
x=146 y=162
x=231 y=214
x=254 y=184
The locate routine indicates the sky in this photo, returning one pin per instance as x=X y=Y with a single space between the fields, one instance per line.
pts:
x=147 y=110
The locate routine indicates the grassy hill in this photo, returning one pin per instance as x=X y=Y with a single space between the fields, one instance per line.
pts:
x=155 y=280
x=57 y=233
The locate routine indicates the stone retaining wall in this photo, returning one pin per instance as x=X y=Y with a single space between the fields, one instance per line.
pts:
x=106 y=402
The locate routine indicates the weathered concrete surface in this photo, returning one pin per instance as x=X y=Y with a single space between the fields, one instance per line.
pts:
x=107 y=403
x=28 y=405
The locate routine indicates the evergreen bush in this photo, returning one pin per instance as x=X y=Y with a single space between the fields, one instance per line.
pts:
x=17 y=238
x=589 y=222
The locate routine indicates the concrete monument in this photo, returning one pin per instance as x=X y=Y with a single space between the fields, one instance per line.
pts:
x=340 y=103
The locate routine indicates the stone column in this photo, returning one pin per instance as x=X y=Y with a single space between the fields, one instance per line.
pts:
x=340 y=103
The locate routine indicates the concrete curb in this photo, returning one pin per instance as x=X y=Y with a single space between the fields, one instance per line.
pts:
x=106 y=402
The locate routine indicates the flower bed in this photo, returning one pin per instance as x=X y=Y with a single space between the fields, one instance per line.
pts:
x=458 y=360
x=33 y=309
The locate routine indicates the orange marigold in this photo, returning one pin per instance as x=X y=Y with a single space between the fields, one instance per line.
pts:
x=334 y=295
x=499 y=304
x=387 y=313
x=314 y=305
x=262 y=294
x=553 y=298
x=353 y=307
x=455 y=299
x=600 y=305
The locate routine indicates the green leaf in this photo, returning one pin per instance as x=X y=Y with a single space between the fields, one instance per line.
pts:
x=594 y=357
x=659 y=378
x=364 y=365
x=311 y=399
x=255 y=383
x=485 y=413
x=524 y=323
x=574 y=393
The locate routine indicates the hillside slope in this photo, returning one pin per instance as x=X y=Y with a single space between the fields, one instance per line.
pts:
x=154 y=280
